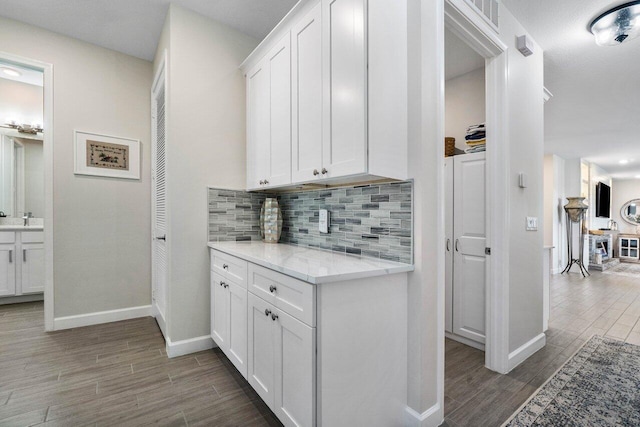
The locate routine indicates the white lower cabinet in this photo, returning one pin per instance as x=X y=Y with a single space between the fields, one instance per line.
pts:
x=282 y=362
x=21 y=263
x=7 y=270
x=229 y=315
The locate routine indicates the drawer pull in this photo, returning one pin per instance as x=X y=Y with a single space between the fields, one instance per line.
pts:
x=272 y=288
x=225 y=266
x=274 y=317
x=267 y=312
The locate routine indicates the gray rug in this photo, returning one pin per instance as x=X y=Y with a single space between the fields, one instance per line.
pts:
x=597 y=386
x=625 y=269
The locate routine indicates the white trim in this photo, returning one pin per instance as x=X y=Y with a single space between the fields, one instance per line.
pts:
x=162 y=324
x=432 y=417
x=523 y=352
x=100 y=317
x=546 y=94
x=192 y=345
x=465 y=341
x=48 y=142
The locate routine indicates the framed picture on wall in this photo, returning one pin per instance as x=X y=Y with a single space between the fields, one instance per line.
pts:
x=107 y=156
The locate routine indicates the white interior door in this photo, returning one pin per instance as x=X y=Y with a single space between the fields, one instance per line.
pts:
x=469 y=275
x=306 y=58
x=449 y=240
x=159 y=200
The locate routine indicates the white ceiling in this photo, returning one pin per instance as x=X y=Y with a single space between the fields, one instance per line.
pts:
x=595 y=111
x=133 y=26
x=459 y=58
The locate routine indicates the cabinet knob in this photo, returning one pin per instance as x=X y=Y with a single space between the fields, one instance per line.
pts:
x=225 y=266
x=274 y=317
x=261 y=182
x=267 y=312
x=272 y=288
x=222 y=284
x=315 y=172
x=266 y=182
x=324 y=171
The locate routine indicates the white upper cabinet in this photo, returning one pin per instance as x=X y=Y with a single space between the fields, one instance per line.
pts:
x=269 y=119
x=348 y=95
x=344 y=148
x=306 y=56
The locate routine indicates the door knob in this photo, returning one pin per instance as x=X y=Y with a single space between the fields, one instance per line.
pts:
x=315 y=172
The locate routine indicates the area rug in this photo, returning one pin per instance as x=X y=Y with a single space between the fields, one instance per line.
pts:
x=598 y=386
x=625 y=269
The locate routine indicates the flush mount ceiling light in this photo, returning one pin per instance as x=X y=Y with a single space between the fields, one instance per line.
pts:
x=617 y=25
x=11 y=72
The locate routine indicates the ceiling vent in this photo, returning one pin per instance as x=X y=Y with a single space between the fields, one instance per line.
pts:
x=488 y=9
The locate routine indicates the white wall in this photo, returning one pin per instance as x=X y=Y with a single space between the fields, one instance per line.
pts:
x=464 y=104
x=526 y=153
x=206 y=147
x=102 y=256
x=21 y=102
x=623 y=191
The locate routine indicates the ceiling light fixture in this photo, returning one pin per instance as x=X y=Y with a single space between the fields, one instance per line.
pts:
x=617 y=25
x=623 y=162
x=11 y=72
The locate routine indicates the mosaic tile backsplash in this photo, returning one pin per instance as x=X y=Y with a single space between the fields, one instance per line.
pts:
x=370 y=220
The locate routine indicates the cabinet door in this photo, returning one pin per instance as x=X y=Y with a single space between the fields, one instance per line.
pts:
x=469 y=274
x=261 y=351
x=279 y=159
x=345 y=71
x=7 y=270
x=295 y=371
x=306 y=56
x=449 y=240
x=32 y=268
x=237 y=349
x=219 y=312
x=258 y=124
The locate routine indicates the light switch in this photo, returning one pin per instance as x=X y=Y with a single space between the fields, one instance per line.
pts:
x=532 y=223
x=324 y=221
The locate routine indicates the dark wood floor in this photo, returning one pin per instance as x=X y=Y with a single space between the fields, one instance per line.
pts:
x=603 y=304
x=114 y=374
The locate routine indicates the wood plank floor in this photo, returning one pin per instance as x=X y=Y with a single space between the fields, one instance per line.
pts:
x=114 y=374
x=603 y=304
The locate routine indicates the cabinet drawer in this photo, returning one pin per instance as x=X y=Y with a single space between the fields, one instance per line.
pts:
x=290 y=295
x=7 y=236
x=229 y=267
x=33 y=237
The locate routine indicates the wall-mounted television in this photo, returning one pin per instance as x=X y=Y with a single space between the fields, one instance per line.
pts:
x=603 y=200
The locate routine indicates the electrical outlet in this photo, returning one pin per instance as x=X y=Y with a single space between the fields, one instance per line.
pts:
x=324 y=221
x=532 y=223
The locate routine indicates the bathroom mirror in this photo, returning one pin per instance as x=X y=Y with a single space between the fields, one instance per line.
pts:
x=21 y=175
x=630 y=212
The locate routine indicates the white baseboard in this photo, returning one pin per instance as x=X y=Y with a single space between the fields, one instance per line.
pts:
x=192 y=345
x=465 y=341
x=21 y=298
x=527 y=349
x=161 y=323
x=97 y=318
x=432 y=417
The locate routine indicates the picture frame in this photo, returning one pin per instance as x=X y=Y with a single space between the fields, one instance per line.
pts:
x=106 y=156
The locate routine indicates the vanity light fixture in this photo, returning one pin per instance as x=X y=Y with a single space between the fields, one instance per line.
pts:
x=617 y=25
x=11 y=72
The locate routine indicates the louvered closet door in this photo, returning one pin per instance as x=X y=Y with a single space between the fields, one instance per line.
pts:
x=159 y=202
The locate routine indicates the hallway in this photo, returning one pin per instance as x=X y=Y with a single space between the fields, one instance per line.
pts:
x=604 y=304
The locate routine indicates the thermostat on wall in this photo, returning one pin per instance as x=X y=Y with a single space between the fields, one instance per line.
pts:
x=324 y=220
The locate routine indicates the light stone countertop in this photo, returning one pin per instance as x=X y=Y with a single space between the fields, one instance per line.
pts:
x=314 y=266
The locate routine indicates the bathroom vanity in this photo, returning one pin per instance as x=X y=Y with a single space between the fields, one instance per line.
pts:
x=21 y=263
x=321 y=336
